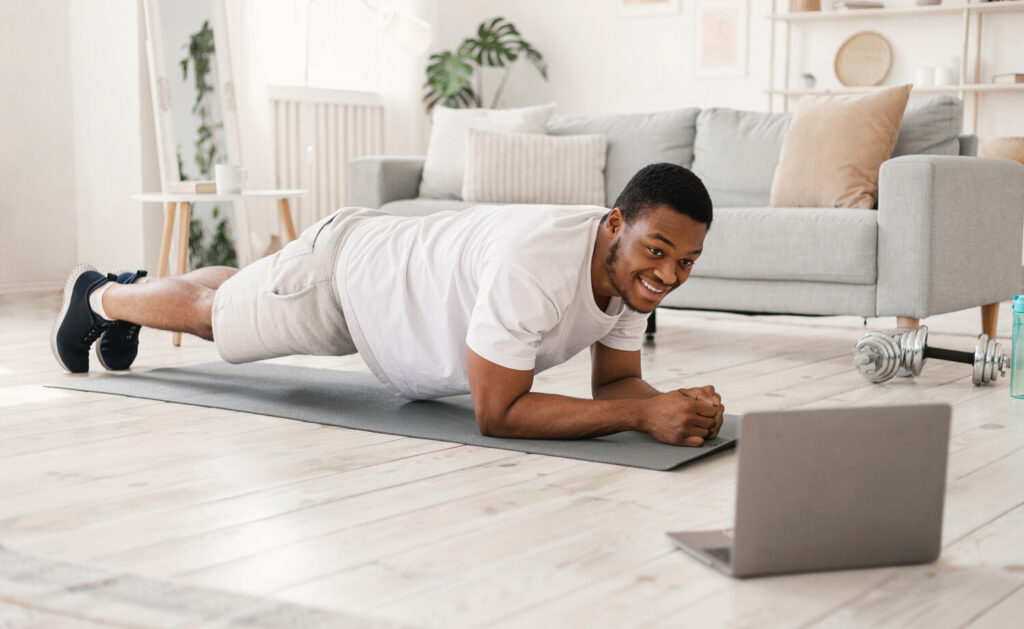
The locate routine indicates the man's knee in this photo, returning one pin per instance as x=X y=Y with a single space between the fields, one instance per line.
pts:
x=204 y=318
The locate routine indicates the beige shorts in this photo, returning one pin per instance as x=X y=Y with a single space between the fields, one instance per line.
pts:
x=288 y=303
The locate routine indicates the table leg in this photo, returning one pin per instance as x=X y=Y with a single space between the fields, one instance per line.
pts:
x=286 y=220
x=184 y=223
x=165 y=243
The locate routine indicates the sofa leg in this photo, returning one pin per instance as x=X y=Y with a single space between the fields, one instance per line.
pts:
x=990 y=319
x=907 y=322
x=652 y=326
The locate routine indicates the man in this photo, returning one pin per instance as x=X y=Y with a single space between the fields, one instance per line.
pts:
x=475 y=301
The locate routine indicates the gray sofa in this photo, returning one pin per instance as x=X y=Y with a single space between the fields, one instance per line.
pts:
x=947 y=233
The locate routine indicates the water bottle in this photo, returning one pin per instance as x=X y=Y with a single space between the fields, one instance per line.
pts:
x=1017 y=359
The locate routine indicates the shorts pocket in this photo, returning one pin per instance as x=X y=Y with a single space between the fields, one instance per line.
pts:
x=281 y=293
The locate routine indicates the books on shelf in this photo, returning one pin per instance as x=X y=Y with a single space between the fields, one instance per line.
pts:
x=1010 y=78
x=191 y=187
x=845 y=5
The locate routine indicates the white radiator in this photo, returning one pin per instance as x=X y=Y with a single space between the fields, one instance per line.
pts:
x=341 y=127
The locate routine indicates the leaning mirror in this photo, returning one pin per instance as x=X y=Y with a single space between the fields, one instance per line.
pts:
x=196 y=124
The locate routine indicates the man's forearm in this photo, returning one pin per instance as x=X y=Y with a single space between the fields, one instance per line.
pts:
x=548 y=416
x=631 y=388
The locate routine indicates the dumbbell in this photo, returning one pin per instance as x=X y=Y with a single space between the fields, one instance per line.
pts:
x=879 y=357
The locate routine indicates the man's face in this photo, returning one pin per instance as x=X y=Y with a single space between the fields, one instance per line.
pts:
x=652 y=256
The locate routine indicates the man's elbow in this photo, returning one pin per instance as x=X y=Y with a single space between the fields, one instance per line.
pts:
x=492 y=425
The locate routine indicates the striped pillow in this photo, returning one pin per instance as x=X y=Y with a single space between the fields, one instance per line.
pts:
x=533 y=168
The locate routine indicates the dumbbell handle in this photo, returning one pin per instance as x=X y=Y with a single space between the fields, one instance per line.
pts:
x=953 y=355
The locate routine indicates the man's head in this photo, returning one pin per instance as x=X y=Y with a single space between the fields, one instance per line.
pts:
x=653 y=235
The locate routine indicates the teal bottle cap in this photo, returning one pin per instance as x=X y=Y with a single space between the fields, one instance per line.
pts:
x=1018 y=303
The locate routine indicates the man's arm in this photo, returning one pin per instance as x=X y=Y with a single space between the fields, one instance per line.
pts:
x=617 y=375
x=505 y=407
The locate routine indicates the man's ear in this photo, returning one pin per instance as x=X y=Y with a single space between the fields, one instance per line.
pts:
x=615 y=222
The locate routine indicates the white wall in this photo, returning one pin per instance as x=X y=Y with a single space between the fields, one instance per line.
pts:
x=37 y=200
x=114 y=149
x=77 y=141
x=602 y=63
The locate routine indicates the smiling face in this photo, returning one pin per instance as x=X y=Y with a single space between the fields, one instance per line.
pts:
x=648 y=258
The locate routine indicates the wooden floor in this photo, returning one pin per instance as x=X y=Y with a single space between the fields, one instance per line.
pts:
x=125 y=512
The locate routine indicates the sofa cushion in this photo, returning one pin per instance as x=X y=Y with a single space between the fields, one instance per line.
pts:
x=834 y=147
x=634 y=141
x=532 y=168
x=735 y=154
x=805 y=244
x=446 y=152
x=931 y=127
x=423 y=207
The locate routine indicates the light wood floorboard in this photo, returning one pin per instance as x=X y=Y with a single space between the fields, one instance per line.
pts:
x=133 y=513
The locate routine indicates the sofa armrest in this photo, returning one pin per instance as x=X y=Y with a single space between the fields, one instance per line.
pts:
x=949 y=233
x=379 y=179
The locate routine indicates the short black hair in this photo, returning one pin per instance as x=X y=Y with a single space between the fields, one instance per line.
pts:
x=665 y=184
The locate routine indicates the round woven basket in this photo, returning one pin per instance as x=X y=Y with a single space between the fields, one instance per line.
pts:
x=863 y=59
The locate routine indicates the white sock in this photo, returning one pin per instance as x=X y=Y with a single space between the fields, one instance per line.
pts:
x=96 y=300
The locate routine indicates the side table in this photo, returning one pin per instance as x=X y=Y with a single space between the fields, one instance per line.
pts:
x=171 y=202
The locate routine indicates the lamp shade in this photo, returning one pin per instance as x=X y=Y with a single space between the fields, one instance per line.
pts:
x=408 y=31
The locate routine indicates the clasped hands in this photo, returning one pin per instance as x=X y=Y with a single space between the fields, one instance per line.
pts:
x=685 y=417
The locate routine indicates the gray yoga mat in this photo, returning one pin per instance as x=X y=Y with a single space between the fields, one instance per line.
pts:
x=360 y=401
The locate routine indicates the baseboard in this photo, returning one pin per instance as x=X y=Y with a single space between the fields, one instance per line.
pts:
x=33 y=286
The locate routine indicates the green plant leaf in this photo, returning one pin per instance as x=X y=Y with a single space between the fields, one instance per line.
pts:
x=533 y=56
x=447 y=83
x=200 y=50
x=497 y=43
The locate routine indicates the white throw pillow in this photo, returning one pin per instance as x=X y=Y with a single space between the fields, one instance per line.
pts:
x=530 y=168
x=446 y=153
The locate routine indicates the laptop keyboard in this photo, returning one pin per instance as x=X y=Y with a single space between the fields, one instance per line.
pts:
x=723 y=554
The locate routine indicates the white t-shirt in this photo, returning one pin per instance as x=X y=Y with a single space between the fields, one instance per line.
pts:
x=512 y=283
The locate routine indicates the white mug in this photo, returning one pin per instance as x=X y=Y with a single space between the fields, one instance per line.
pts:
x=944 y=75
x=229 y=178
x=925 y=77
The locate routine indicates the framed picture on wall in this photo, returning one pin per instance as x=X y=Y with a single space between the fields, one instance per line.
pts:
x=644 y=8
x=721 y=37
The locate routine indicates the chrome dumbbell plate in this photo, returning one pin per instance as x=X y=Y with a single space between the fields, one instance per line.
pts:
x=989 y=361
x=877 y=357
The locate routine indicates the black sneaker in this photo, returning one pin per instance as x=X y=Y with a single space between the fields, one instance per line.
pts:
x=119 y=344
x=77 y=326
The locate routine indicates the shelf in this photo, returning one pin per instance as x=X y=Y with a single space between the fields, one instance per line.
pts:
x=932 y=89
x=1006 y=6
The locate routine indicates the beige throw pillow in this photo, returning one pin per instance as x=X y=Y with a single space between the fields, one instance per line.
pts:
x=834 y=147
x=532 y=168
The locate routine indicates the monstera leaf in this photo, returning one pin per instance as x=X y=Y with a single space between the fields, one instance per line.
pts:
x=497 y=43
x=534 y=57
x=448 y=81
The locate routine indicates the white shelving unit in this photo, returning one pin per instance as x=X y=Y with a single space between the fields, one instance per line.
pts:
x=971 y=15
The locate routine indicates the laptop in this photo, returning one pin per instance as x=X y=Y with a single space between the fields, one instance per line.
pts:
x=830 y=489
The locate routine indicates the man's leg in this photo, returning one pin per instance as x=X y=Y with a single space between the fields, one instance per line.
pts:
x=182 y=303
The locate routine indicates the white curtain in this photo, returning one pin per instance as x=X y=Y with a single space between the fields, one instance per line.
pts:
x=406 y=123
x=346 y=52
